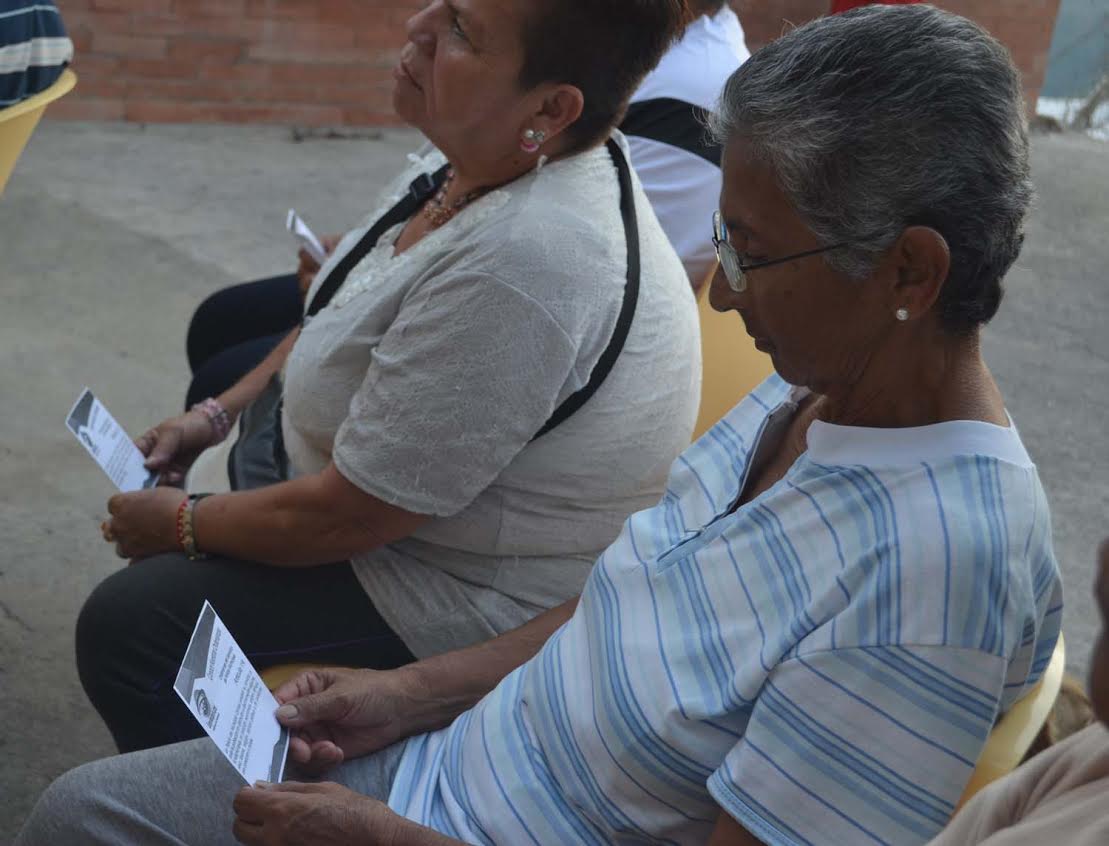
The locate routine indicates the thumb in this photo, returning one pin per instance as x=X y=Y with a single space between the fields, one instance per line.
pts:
x=323 y=707
x=165 y=448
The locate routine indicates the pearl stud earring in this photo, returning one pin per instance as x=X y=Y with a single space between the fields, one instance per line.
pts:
x=902 y=314
x=532 y=140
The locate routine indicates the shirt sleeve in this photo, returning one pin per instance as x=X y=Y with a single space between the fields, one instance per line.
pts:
x=468 y=372
x=865 y=745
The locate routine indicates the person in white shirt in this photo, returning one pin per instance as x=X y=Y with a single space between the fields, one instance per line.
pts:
x=672 y=153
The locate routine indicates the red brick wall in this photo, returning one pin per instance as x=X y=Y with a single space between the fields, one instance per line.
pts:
x=310 y=62
x=329 y=62
x=1024 y=26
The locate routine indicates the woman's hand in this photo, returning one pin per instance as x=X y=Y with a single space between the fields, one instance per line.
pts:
x=173 y=445
x=336 y=715
x=143 y=523
x=308 y=267
x=294 y=814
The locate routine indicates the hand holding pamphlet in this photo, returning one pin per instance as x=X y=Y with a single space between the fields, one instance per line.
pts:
x=306 y=236
x=230 y=701
x=106 y=441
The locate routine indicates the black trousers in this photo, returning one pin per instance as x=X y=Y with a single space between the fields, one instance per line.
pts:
x=133 y=631
x=234 y=329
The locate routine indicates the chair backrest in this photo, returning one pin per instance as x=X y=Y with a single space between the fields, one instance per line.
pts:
x=19 y=121
x=731 y=366
x=1015 y=732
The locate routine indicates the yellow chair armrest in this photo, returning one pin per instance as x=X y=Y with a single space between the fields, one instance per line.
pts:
x=1015 y=732
x=62 y=86
x=19 y=121
x=276 y=676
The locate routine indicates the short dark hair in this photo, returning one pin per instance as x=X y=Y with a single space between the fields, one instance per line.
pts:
x=602 y=47
x=706 y=7
x=892 y=116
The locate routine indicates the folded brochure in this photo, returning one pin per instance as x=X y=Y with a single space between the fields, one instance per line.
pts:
x=230 y=701
x=107 y=442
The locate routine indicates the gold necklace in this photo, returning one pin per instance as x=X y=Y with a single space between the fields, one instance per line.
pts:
x=438 y=212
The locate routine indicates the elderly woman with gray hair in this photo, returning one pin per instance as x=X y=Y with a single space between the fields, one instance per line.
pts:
x=808 y=639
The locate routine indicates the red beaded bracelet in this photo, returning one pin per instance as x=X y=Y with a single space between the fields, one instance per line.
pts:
x=181 y=510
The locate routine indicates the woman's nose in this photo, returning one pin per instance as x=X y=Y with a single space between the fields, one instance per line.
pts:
x=421 y=30
x=720 y=293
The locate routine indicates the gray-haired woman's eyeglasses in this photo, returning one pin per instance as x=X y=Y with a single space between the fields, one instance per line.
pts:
x=734 y=270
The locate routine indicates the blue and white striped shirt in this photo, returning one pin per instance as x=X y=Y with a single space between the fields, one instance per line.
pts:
x=824 y=663
x=34 y=49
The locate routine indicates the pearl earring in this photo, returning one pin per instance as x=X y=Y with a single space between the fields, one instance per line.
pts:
x=902 y=314
x=532 y=140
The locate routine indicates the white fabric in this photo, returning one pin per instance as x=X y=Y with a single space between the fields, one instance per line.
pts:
x=1058 y=797
x=684 y=188
x=38 y=52
x=428 y=374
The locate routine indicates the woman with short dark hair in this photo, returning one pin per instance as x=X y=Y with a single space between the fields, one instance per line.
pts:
x=494 y=370
x=809 y=638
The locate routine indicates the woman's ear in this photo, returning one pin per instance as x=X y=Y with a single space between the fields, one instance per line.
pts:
x=561 y=107
x=921 y=260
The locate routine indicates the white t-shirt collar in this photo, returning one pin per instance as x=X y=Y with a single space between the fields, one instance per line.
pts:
x=833 y=444
x=839 y=445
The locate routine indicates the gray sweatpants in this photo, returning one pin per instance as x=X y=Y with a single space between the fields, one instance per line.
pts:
x=178 y=794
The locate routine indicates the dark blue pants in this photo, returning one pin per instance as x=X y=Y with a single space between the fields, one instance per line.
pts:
x=133 y=631
x=234 y=329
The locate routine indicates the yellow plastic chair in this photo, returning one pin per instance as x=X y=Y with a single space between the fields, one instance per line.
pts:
x=19 y=121
x=276 y=676
x=1016 y=731
x=731 y=366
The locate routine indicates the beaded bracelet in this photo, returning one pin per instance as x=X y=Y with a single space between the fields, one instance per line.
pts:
x=217 y=415
x=186 y=533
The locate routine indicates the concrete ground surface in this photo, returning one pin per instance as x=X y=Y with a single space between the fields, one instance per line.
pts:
x=111 y=234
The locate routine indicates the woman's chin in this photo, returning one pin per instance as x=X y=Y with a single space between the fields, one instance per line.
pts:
x=408 y=111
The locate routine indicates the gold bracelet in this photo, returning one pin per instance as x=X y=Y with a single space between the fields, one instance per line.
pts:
x=187 y=528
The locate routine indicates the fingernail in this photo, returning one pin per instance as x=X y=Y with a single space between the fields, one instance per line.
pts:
x=287 y=712
x=263 y=785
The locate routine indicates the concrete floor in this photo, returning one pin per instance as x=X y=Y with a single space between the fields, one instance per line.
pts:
x=111 y=234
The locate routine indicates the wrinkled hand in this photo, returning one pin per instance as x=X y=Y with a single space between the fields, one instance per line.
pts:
x=143 y=523
x=294 y=814
x=308 y=267
x=336 y=715
x=173 y=445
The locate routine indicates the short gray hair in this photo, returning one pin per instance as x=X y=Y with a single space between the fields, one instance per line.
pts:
x=887 y=117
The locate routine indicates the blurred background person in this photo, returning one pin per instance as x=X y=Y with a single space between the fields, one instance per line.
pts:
x=34 y=48
x=675 y=158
